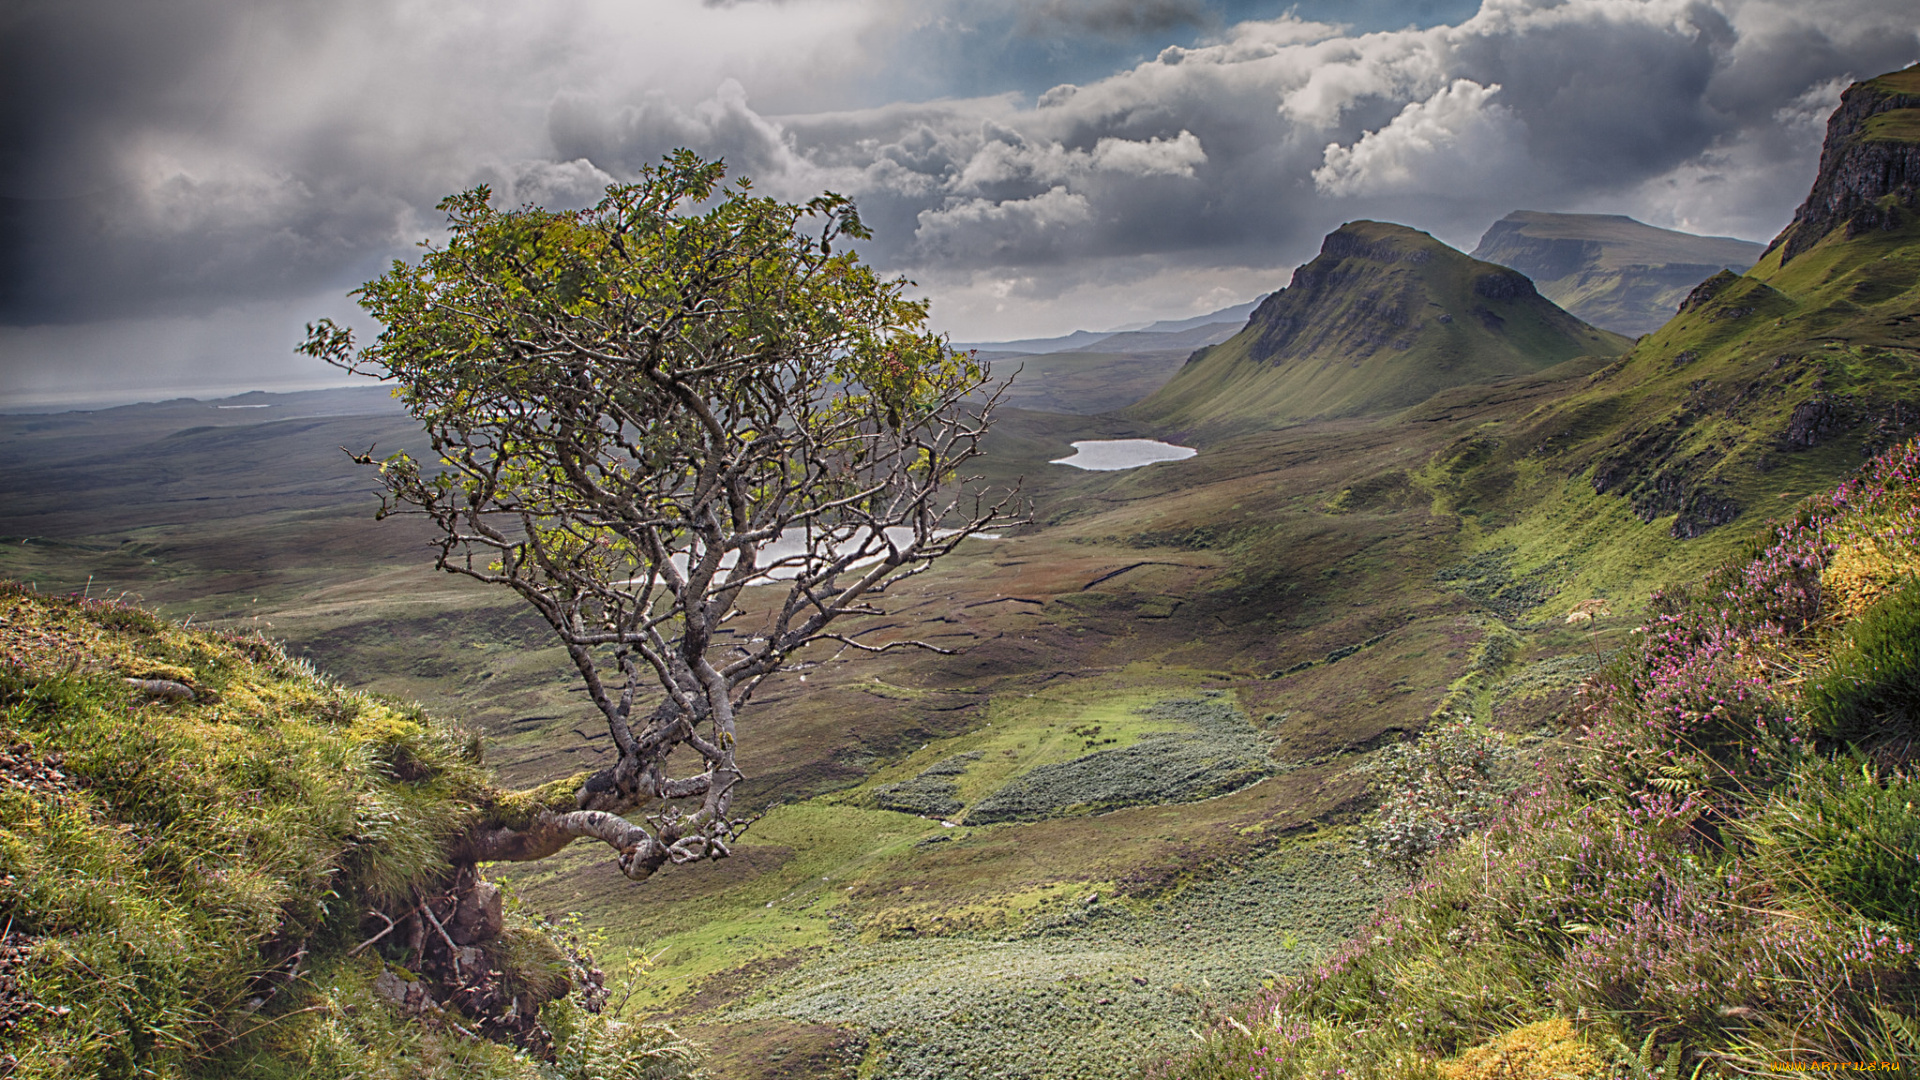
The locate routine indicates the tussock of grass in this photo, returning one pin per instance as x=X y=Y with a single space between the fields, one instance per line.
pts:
x=1869 y=690
x=1845 y=830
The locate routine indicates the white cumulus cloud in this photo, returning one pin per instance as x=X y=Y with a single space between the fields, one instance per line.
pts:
x=1458 y=140
x=1025 y=229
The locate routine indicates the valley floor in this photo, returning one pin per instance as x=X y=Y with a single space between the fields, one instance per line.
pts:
x=1287 y=577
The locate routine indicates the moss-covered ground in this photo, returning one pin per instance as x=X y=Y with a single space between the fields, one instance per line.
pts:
x=189 y=866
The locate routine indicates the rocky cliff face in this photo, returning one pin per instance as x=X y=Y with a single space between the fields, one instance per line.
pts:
x=1869 y=164
x=1800 y=366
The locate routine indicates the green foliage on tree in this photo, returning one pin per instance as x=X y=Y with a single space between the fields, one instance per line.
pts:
x=686 y=404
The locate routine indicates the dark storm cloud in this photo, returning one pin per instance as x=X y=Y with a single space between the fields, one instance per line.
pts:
x=177 y=156
x=119 y=124
x=77 y=74
x=75 y=79
x=185 y=154
x=1112 y=18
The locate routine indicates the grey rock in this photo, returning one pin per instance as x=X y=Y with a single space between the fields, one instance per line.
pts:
x=478 y=918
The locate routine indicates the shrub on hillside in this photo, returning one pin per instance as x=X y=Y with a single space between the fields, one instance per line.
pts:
x=1434 y=790
x=933 y=793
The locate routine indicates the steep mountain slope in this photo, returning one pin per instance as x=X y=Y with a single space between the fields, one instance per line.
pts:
x=1869 y=164
x=1382 y=319
x=1765 y=385
x=1610 y=270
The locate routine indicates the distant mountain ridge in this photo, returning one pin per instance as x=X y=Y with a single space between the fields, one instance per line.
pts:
x=1238 y=313
x=1383 y=318
x=1609 y=270
x=1189 y=333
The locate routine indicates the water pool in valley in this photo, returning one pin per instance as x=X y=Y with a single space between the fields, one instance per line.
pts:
x=1110 y=455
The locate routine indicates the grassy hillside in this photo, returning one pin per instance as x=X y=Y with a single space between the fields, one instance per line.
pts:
x=1385 y=317
x=1766 y=387
x=204 y=851
x=1609 y=270
x=1716 y=875
x=1717 y=878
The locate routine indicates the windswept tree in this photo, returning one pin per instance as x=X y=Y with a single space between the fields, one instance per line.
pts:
x=652 y=417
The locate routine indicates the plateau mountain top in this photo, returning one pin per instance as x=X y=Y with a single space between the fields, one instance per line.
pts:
x=1610 y=270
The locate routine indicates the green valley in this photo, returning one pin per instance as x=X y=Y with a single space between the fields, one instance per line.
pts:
x=1126 y=805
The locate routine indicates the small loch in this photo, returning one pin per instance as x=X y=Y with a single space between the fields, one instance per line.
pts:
x=1110 y=455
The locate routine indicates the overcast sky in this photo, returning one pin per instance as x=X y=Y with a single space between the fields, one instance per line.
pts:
x=184 y=183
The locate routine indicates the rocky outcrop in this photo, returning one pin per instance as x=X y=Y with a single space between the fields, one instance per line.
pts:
x=464 y=962
x=1708 y=289
x=1869 y=163
x=1348 y=262
x=1503 y=285
x=1812 y=421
